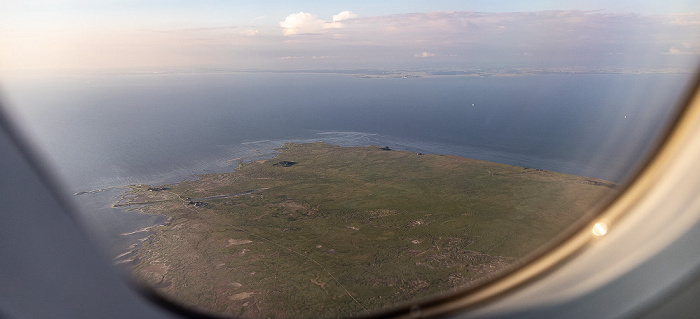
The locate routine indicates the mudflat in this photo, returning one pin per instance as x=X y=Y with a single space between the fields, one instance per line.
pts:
x=326 y=231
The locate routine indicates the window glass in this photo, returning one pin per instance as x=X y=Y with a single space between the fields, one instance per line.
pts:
x=317 y=159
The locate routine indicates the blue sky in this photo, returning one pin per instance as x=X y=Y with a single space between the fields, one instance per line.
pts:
x=91 y=34
x=220 y=11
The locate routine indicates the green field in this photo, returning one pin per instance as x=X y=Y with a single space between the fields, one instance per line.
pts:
x=336 y=231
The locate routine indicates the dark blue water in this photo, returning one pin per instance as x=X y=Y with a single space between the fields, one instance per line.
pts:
x=103 y=131
x=108 y=131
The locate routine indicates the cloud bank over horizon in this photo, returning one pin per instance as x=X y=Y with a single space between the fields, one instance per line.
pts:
x=444 y=39
x=307 y=23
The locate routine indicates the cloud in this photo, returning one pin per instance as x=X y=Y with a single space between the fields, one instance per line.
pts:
x=302 y=22
x=444 y=39
x=692 y=18
x=424 y=55
x=492 y=39
x=305 y=23
x=345 y=15
x=256 y=19
x=249 y=33
x=683 y=51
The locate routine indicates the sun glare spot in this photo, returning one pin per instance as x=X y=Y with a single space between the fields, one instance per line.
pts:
x=599 y=229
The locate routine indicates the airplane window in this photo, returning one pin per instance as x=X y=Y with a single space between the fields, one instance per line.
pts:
x=312 y=159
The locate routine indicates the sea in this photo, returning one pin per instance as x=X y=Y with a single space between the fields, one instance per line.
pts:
x=98 y=133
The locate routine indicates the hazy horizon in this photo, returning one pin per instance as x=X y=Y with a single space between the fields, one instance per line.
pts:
x=156 y=37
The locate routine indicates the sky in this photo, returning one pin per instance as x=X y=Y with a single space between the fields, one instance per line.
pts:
x=361 y=34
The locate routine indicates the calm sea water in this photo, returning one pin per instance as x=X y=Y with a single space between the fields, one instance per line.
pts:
x=117 y=130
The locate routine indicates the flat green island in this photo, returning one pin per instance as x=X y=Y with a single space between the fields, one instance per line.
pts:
x=326 y=231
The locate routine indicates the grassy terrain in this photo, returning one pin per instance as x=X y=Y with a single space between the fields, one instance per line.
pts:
x=343 y=231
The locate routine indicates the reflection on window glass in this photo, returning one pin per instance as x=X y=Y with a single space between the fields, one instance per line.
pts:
x=312 y=159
